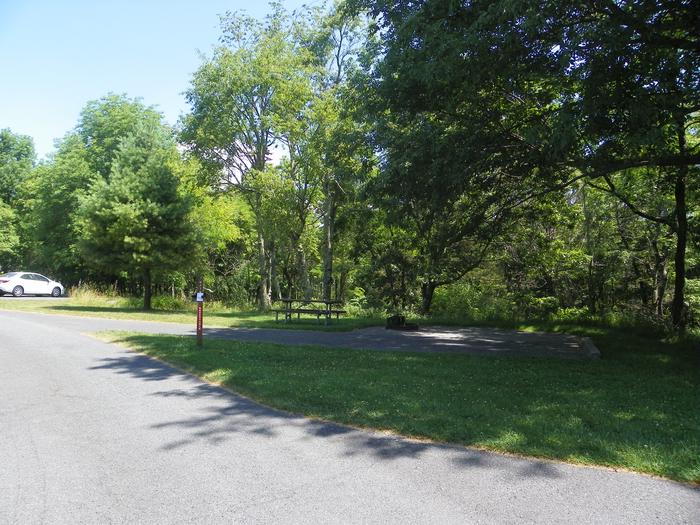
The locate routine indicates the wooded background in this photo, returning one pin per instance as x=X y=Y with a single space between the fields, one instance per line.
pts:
x=475 y=160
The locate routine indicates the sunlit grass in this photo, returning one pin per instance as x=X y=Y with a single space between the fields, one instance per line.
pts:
x=635 y=408
x=215 y=314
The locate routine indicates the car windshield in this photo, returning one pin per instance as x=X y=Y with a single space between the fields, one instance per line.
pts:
x=11 y=274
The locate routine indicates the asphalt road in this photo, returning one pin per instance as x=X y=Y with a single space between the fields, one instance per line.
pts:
x=91 y=433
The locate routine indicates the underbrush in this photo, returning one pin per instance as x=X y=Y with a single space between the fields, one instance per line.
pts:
x=490 y=303
x=89 y=296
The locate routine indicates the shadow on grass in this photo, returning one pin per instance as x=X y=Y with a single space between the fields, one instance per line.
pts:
x=636 y=414
x=105 y=309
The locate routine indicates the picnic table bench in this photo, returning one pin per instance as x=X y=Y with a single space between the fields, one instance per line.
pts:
x=306 y=306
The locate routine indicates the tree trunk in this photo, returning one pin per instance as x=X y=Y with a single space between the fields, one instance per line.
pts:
x=661 y=281
x=304 y=281
x=340 y=291
x=147 y=289
x=289 y=279
x=660 y=277
x=588 y=242
x=592 y=294
x=678 y=306
x=427 y=290
x=328 y=246
x=263 y=292
x=274 y=276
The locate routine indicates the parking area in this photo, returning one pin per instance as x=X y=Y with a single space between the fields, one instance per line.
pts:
x=10 y=297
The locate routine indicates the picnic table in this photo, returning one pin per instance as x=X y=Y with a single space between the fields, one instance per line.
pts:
x=317 y=307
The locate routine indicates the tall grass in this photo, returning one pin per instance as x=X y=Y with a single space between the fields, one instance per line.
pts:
x=86 y=295
x=90 y=296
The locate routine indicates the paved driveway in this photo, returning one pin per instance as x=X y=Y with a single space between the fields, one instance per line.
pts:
x=474 y=340
x=91 y=433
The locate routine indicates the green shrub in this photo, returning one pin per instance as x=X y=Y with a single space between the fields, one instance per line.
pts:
x=573 y=314
x=472 y=301
x=356 y=305
x=169 y=303
x=539 y=307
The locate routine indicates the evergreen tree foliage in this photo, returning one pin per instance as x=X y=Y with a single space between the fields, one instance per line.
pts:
x=137 y=221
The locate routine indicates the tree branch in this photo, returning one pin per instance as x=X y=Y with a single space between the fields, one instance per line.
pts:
x=611 y=189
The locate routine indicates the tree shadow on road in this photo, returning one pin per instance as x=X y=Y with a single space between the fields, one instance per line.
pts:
x=631 y=409
x=221 y=414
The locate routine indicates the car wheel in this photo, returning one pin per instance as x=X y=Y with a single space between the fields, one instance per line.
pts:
x=56 y=292
x=18 y=291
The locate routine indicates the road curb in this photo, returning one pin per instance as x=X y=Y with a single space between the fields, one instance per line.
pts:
x=589 y=348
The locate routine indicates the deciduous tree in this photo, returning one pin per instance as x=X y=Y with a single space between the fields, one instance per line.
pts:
x=244 y=99
x=546 y=92
x=16 y=161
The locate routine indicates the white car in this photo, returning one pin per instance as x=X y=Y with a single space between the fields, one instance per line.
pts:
x=21 y=283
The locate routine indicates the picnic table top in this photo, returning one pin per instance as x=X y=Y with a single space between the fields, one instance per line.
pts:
x=310 y=301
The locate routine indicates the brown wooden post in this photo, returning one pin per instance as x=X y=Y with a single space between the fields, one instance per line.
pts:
x=200 y=312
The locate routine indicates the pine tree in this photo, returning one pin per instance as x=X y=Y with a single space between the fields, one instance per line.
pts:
x=138 y=221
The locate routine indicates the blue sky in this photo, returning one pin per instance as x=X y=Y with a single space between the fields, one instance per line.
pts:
x=56 y=55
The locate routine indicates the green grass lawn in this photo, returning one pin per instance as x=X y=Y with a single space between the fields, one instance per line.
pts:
x=635 y=408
